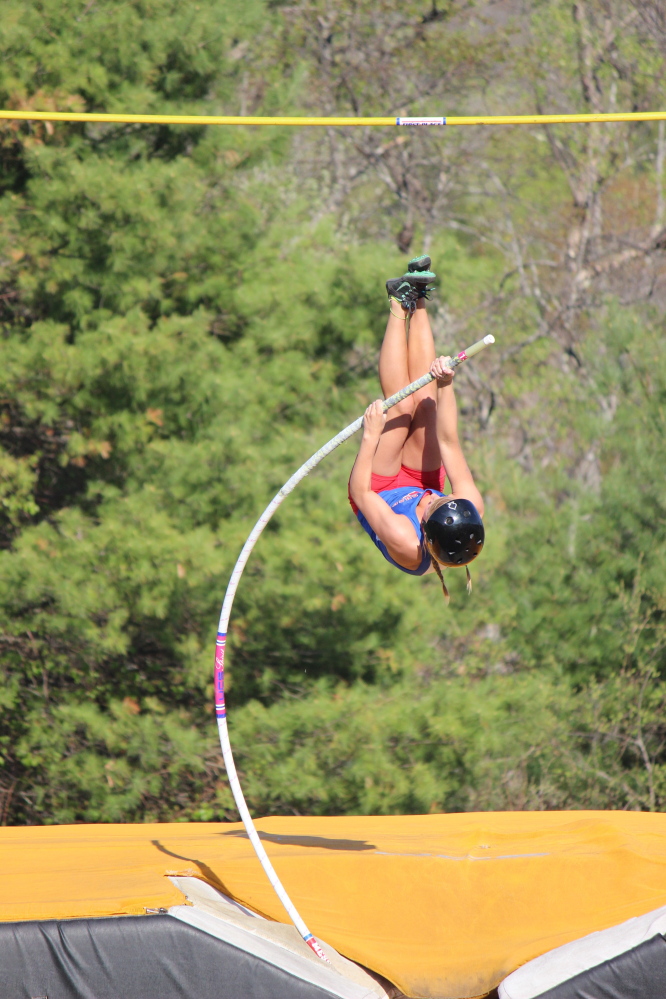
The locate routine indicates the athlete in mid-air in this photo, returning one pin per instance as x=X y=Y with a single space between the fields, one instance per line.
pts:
x=396 y=487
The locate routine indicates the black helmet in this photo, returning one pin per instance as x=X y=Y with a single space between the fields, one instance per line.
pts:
x=454 y=532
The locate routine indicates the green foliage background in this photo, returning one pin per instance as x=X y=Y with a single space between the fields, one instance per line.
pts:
x=188 y=313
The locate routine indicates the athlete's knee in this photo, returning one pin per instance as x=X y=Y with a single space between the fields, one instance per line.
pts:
x=425 y=409
x=404 y=408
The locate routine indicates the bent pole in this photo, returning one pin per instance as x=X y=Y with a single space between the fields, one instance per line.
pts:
x=220 y=708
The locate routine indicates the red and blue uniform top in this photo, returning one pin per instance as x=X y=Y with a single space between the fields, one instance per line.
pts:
x=403 y=500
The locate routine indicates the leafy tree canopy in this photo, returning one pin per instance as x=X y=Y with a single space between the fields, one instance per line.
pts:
x=188 y=313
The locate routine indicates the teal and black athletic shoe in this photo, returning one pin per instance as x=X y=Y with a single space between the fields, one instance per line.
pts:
x=418 y=271
x=420 y=275
x=404 y=291
x=419 y=278
x=421 y=263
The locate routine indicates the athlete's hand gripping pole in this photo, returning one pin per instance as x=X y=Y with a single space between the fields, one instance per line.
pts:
x=220 y=709
x=393 y=400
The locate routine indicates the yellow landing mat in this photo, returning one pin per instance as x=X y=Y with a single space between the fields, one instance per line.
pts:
x=443 y=905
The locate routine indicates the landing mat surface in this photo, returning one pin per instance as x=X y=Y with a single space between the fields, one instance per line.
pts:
x=442 y=905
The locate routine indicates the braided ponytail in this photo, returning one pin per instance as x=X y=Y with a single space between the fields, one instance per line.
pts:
x=436 y=566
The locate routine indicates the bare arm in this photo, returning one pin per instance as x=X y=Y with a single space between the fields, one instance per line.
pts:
x=393 y=529
x=453 y=459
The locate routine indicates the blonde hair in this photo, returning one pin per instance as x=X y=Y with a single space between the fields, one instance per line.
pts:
x=438 y=569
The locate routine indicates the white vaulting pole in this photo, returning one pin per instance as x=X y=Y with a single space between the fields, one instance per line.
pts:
x=220 y=708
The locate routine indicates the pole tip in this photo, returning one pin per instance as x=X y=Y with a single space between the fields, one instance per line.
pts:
x=489 y=339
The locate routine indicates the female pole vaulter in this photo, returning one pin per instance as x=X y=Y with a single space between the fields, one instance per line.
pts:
x=396 y=487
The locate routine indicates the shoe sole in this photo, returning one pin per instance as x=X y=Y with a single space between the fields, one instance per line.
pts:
x=420 y=278
x=421 y=263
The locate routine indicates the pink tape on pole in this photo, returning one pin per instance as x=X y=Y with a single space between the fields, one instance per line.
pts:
x=220 y=707
x=314 y=945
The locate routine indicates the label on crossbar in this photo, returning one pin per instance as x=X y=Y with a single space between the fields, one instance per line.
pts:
x=420 y=121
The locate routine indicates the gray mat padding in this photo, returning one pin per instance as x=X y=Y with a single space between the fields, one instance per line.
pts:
x=639 y=973
x=134 y=957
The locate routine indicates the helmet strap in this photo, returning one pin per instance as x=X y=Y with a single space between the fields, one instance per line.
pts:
x=469 y=579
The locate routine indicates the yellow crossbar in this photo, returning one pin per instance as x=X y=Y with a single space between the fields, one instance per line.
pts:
x=190 y=119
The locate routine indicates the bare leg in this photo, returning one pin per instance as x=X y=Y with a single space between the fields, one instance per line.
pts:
x=394 y=368
x=421 y=449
